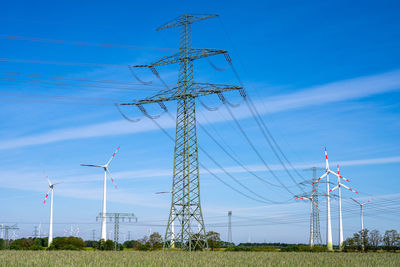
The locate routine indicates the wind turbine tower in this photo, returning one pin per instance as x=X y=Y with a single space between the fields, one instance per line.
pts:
x=338 y=187
x=51 y=190
x=328 y=203
x=362 y=218
x=105 y=167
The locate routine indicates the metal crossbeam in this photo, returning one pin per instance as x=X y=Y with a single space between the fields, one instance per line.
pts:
x=192 y=54
x=199 y=89
x=185 y=227
x=117 y=217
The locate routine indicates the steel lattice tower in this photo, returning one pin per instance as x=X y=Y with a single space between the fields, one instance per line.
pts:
x=229 y=227
x=117 y=217
x=185 y=213
x=315 y=234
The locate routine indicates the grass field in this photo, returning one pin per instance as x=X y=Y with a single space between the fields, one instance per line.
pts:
x=176 y=258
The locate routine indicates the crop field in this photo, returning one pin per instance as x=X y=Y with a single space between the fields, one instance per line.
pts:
x=176 y=258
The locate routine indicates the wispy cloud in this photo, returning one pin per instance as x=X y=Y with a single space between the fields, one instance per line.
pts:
x=329 y=93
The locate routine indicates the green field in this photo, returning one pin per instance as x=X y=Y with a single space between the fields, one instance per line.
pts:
x=176 y=258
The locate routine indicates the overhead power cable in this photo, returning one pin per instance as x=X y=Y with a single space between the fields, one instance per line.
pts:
x=261 y=198
x=256 y=151
x=84 y=64
x=74 y=84
x=48 y=40
x=67 y=78
x=234 y=158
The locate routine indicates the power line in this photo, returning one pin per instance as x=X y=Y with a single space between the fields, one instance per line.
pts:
x=48 y=40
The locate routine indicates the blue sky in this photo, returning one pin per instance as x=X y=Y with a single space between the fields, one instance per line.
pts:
x=321 y=74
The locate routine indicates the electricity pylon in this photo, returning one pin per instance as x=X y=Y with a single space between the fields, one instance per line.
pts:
x=7 y=228
x=185 y=205
x=117 y=217
x=229 y=227
x=315 y=232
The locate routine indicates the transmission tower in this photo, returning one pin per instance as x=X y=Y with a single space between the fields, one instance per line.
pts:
x=93 y=234
x=7 y=228
x=185 y=204
x=229 y=227
x=36 y=232
x=117 y=217
x=315 y=234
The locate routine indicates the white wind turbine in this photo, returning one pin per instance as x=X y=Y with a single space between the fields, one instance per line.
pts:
x=328 y=202
x=362 y=218
x=51 y=189
x=105 y=167
x=338 y=187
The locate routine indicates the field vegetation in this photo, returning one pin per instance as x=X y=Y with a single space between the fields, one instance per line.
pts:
x=180 y=258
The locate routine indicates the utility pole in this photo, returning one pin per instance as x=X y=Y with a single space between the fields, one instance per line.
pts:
x=117 y=217
x=229 y=227
x=185 y=205
x=315 y=233
x=6 y=229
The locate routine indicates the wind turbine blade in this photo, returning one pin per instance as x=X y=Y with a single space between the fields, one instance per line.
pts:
x=320 y=178
x=58 y=183
x=332 y=189
x=47 y=177
x=326 y=160
x=112 y=156
x=48 y=191
x=112 y=179
x=341 y=177
x=91 y=165
x=349 y=188
x=164 y=192
x=355 y=201
x=367 y=201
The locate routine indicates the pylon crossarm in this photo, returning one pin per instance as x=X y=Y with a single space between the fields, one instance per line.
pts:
x=199 y=89
x=193 y=54
x=184 y=19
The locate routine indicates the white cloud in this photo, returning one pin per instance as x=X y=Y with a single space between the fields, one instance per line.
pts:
x=329 y=93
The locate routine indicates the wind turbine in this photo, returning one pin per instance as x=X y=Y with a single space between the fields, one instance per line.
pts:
x=338 y=187
x=105 y=167
x=362 y=218
x=328 y=202
x=51 y=189
x=172 y=221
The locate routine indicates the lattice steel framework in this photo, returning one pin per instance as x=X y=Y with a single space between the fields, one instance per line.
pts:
x=315 y=233
x=117 y=217
x=6 y=229
x=185 y=213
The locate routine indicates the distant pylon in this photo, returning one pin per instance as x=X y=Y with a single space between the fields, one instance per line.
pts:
x=229 y=226
x=315 y=232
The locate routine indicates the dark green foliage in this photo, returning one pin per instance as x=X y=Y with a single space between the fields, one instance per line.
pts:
x=67 y=243
x=155 y=241
x=105 y=245
x=213 y=240
x=391 y=240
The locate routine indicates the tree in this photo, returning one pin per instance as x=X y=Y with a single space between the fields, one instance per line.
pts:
x=375 y=239
x=213 y=240
x=155 y=240
x=391 y=239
